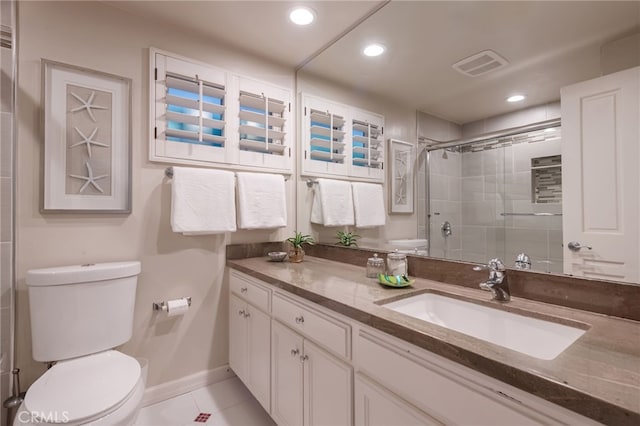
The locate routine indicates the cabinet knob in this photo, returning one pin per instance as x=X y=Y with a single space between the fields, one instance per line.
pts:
x=295 y=352
x=241 y=312
x=300 y=320
x=247 y=314
x=303 y=358
x=243 y=290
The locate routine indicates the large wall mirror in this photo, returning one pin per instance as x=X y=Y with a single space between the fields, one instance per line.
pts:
x=488 y=173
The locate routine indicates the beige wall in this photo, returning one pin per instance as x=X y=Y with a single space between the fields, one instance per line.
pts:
x=100 y=37
x=400 y=123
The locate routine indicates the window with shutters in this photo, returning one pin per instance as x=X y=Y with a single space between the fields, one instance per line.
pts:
x=340 y=140
x=204 y=115
x=264 y=114
x=367 y=144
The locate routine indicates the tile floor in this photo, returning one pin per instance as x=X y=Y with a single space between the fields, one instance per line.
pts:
x=227 y=403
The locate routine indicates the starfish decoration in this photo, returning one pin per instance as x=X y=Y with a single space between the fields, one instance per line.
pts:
x=90 y=179
x=88 y=140
x=88 y=105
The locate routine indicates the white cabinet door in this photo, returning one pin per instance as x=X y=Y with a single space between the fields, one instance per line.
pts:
x=600 y=153
x=237 y=337
x=327 y=388
x=259 y=355
x=286 y=376
x=376 y=406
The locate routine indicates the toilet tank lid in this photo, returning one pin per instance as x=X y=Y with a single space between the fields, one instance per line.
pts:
x=81 y=273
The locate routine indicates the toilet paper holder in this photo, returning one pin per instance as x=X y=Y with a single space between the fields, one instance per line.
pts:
x=162 y=306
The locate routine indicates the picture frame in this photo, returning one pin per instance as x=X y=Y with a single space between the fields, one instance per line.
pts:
x=87 y=140
x=401 y=179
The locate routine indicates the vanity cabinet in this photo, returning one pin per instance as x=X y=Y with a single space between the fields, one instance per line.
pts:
x=250 y=335
x=308 y=365
x=439 y=391
x=377 y=406
x=310 y=386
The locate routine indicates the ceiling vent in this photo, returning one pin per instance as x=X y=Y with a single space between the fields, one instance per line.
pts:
x=480 y=63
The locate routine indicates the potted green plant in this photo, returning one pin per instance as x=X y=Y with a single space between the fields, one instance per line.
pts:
x=347 y=239
x=296 y=255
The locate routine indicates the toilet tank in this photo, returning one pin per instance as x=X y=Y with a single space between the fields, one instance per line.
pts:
x=82 y=309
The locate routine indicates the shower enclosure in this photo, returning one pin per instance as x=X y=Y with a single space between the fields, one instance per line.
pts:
x=497 y=197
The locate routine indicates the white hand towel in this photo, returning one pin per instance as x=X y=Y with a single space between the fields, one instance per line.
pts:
x=332 y=203
x=262 y=201
x=202 y=201
x=368 y=201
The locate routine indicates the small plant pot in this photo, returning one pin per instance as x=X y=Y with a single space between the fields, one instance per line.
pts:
x=296 y=255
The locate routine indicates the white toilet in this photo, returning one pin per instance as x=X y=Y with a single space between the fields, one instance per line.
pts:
x=78 y=314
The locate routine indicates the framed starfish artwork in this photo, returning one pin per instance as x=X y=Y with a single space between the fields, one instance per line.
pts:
x=401 y=159
x=87 y=140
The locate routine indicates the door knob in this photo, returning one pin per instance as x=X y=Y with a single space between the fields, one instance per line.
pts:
x=576 y=246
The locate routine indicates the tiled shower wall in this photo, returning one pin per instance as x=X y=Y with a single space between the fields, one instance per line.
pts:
x=7 y=22
x=495 y=182
x=471 y=190
x=431 y=129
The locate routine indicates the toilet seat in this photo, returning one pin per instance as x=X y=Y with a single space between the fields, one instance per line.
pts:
x=82 y=389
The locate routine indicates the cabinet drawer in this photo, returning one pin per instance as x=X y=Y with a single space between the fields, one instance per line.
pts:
x=438 y=391
x=327 y=331
x=249 y=289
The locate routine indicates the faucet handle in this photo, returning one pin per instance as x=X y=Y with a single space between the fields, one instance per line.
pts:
x=523 y=261
x=494 y=265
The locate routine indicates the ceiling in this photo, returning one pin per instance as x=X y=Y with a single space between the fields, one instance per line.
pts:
x=260 y=28
x=549 y=44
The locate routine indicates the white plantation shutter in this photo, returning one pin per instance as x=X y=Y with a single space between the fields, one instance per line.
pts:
x=189 y=111
x=327 y=132
x=339 y=140
x=324 y=131
x=192 y=112
x=367 y=144
x=264 y=124
x=204 y=115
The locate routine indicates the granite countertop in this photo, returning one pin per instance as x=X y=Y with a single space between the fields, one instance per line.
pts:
x=597 y=376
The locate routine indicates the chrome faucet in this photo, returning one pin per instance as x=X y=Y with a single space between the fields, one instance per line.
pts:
x=523 y=261
x=497 y=282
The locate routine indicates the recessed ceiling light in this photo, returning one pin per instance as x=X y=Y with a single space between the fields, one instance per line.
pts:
x=516 y=98
x=373 y=50
x=302 y=15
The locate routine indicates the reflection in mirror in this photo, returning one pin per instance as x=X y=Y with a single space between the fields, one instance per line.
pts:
x=501 y=197
x=498 y=197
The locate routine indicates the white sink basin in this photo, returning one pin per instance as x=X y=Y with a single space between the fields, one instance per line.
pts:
x=532 y=336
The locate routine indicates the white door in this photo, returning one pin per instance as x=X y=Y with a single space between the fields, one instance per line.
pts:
x=259 y=355
x=600 y=138
x=286 y=376
x=327 y=388
x=238 y=337
x=376 y=406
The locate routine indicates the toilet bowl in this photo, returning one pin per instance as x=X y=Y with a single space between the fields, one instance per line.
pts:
x=78 y=315
x=99 y=389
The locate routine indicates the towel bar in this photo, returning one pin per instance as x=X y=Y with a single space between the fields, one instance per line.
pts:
x=168 y=172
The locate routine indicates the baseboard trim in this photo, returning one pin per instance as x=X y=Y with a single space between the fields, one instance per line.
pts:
x=177 y=387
